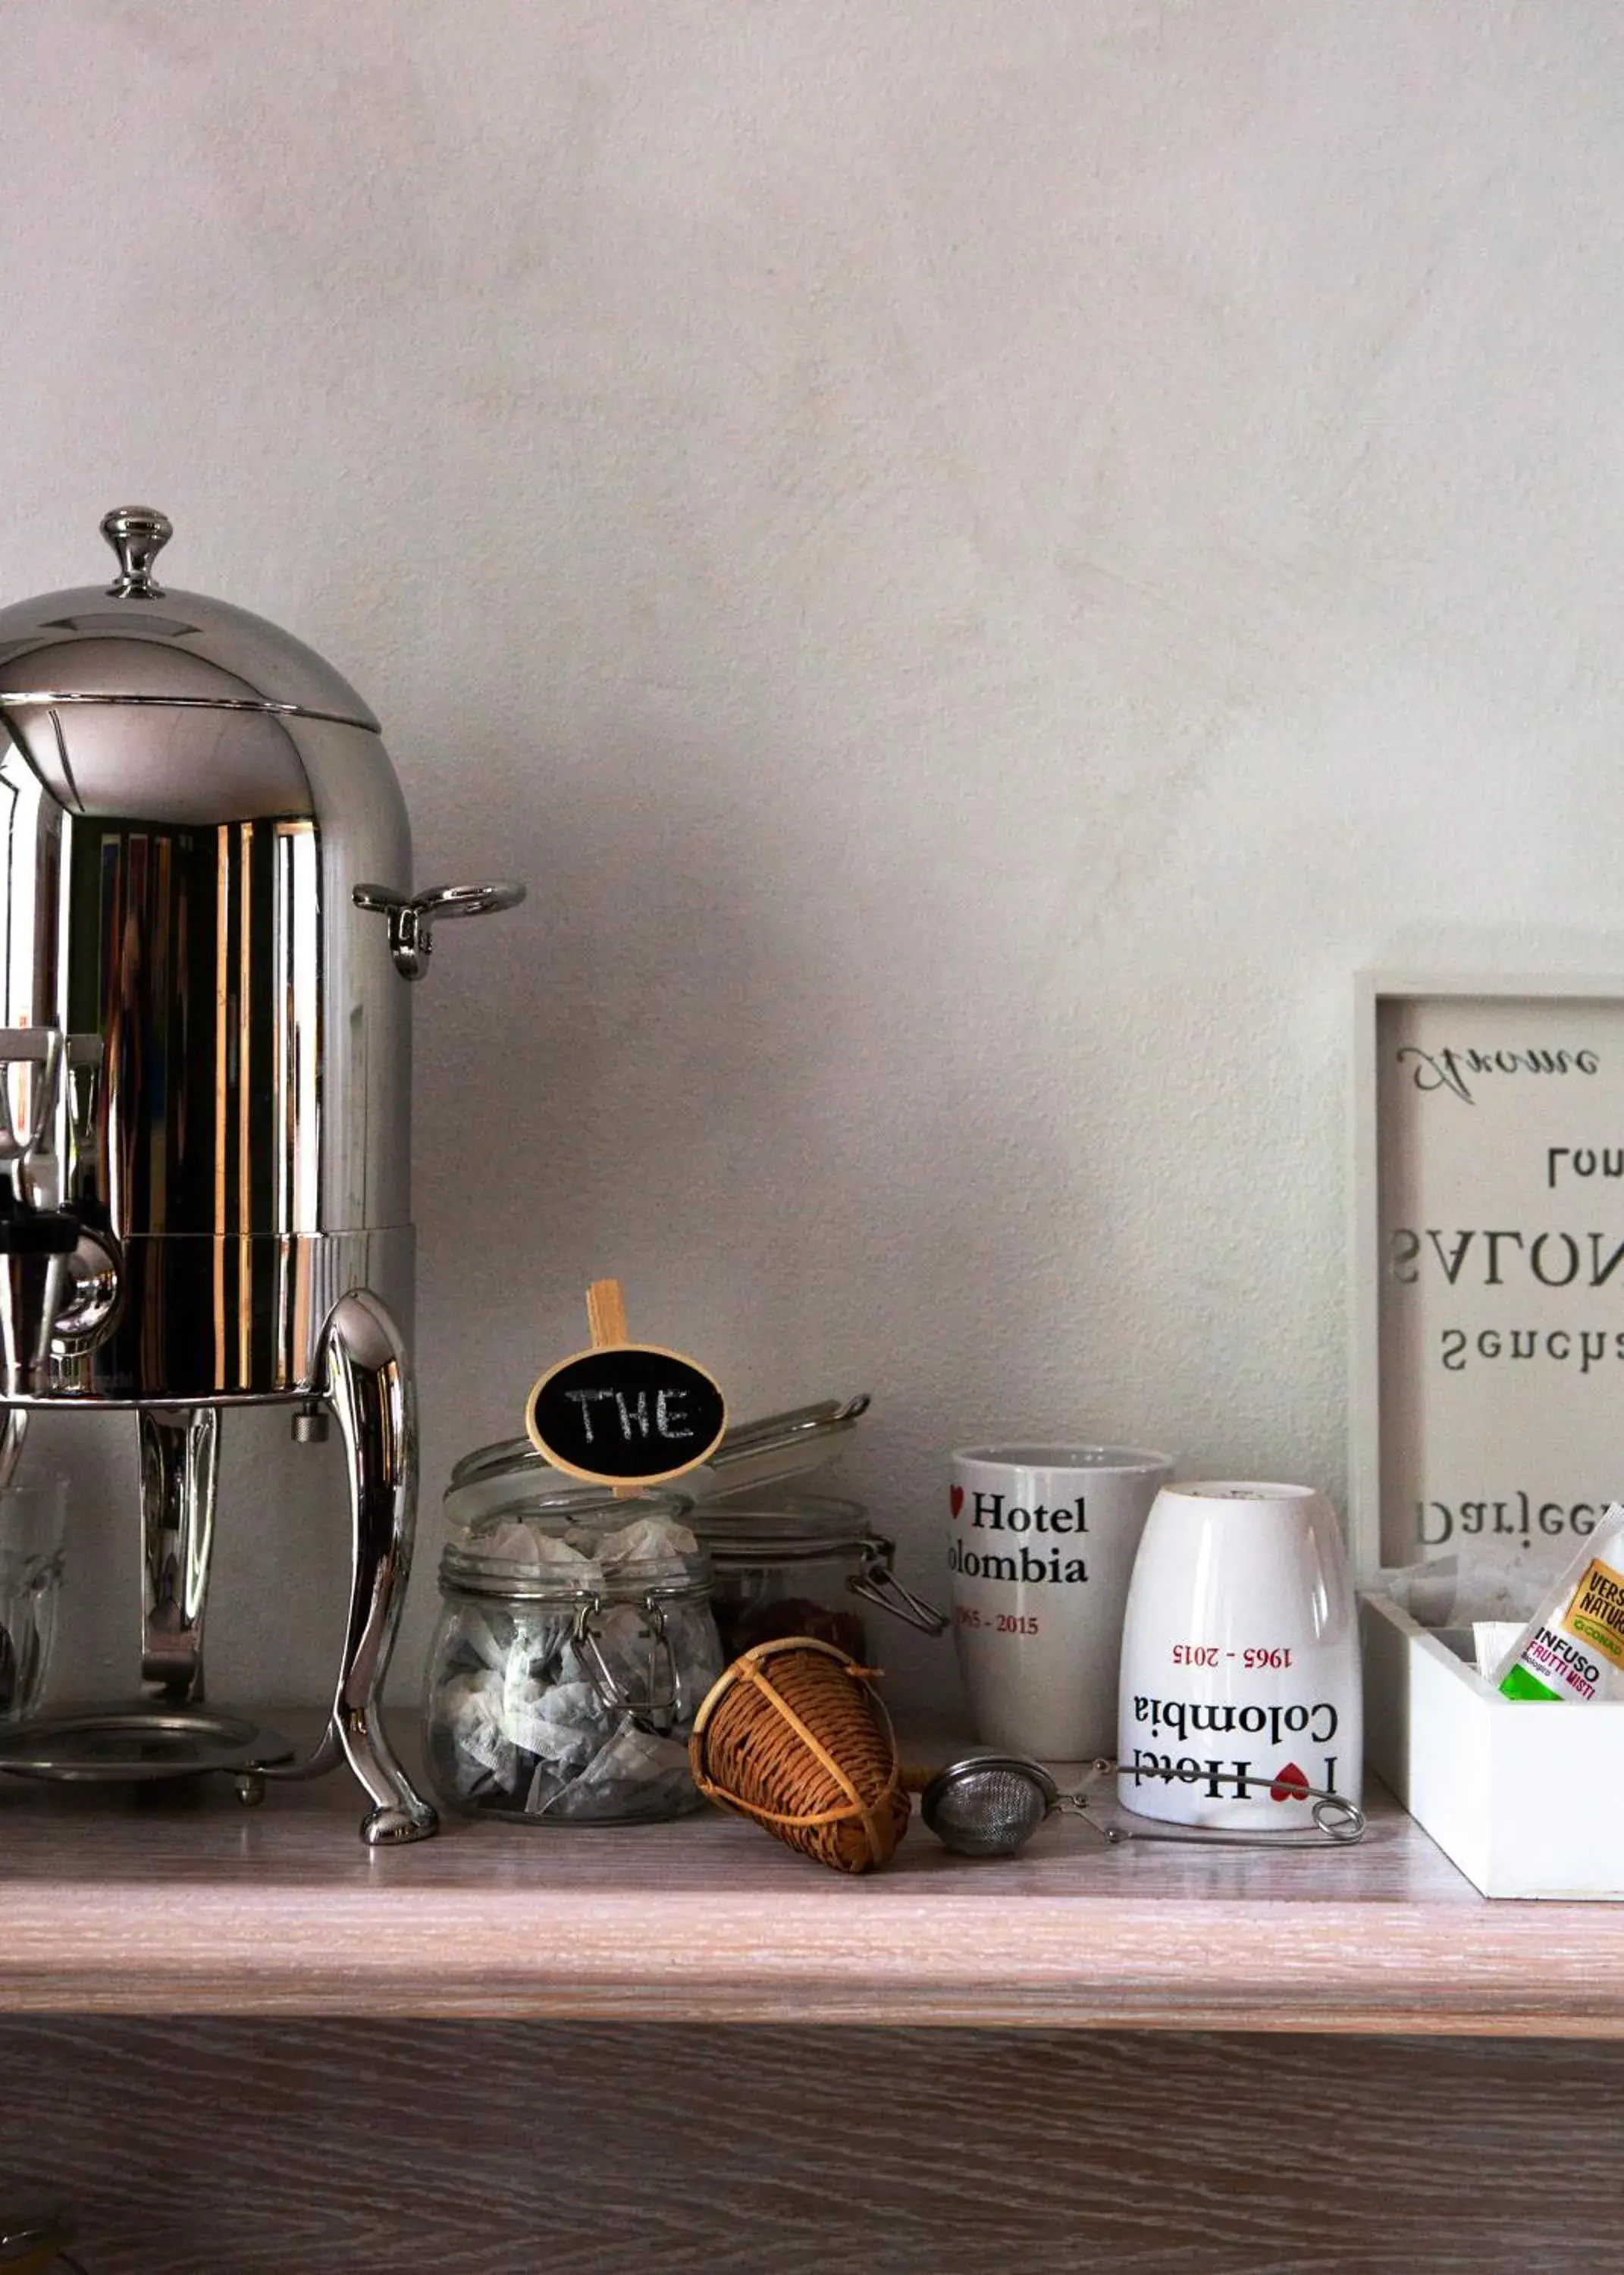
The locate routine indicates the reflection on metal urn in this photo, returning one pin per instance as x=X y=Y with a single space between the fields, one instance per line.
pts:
x=207 y=930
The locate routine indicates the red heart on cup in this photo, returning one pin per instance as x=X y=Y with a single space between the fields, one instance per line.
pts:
x=1290 y=1785
x=958 y=1499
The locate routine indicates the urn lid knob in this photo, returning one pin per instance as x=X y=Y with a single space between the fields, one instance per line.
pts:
x=137 y=535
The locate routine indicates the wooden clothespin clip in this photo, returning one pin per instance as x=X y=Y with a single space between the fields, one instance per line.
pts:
x=622 y=1414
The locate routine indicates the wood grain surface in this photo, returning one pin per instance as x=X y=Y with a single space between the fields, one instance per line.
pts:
x=182 y=1901
x=218 y=2147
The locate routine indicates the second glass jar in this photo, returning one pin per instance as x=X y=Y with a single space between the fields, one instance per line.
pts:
x=803 y=1564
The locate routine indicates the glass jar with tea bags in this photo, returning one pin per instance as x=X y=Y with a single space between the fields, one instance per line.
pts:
x=575 y=1645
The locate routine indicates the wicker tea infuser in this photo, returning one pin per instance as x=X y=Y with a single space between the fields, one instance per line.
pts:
x=794 y=1735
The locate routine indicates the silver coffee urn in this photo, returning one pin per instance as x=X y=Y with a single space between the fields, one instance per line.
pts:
x=206 y=927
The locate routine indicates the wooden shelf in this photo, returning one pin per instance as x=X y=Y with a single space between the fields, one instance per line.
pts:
x=185 y=1902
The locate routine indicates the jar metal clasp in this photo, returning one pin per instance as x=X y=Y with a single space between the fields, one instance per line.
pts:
x=661 y=1708
x=878 y=1583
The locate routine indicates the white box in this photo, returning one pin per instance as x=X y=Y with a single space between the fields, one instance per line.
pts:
x=1523 y=1797
x=1494 y=1108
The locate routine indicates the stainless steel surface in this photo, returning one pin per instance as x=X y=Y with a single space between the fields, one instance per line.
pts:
x=59 y=1277
x=205 y=1076
x=312 y=1426
x=184 y=898
x=96 y=645
x=189 y=804
x=236 y=1322
x=412 y=922
x=180 y=1467
x=136 y=1744
x=988 y=1806
x=367 y=1380
x=31 y=1058
x=137 y=535
x=33 y=1296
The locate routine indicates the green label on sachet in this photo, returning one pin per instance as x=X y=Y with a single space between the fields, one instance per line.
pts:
x=1519 y=1683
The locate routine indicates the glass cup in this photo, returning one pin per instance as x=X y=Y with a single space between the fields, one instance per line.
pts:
x=33 y=1519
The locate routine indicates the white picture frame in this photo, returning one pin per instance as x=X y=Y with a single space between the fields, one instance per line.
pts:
x=1401 y=1402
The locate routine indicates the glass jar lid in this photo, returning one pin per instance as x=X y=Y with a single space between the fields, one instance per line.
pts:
x=751 y=1454
x=785 y=1529
x=573 y=1546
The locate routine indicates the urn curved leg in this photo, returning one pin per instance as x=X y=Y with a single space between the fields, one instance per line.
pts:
x=367 y=1383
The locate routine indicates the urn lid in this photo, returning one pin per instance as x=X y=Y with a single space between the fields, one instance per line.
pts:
x=136 y=640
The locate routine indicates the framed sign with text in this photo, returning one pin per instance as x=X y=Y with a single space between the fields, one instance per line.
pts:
x=1488 y=1278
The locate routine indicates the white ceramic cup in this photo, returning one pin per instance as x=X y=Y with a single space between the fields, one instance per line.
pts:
x=1041 y=1548
x=1240 y=1681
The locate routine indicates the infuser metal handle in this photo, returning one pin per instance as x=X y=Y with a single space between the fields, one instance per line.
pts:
x=1336 y=1819
x=412 y=918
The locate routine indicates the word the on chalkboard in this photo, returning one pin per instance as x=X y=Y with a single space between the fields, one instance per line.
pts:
x=629 y=1413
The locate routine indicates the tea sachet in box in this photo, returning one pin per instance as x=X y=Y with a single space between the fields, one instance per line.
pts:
x=1573 y=1647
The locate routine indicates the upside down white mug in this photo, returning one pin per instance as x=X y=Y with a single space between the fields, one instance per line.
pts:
x=1240 y=1669
x=1041 y=1542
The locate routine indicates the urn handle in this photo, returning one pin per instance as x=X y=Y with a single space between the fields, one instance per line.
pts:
x=412 y=919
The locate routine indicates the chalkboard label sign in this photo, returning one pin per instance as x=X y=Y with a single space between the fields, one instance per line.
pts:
x=632 y=1414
